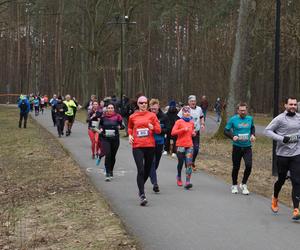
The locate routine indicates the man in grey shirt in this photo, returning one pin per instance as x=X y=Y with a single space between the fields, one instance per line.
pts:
x=285 y=130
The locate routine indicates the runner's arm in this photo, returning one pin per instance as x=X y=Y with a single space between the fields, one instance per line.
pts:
x=270 y=130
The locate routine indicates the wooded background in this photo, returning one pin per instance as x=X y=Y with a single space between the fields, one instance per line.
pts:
x=177 y=48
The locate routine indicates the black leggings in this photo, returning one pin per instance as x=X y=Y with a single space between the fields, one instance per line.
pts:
x=53 y=115
x=60 y=125
x=237 y=154
x=143 y=158
x=292 y=164
x=110 y=148
x=23 y=116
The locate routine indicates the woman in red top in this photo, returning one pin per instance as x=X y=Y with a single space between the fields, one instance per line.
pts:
x=184 y=130
x=142 y=125
x=93 y=122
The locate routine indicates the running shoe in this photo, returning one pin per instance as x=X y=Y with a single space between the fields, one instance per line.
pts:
x=165 y=153
x=234 y=189
x=107 y=178
x=296 y=214
x=244 y=189
x=143 y=200
x=274 y=205
x=156 y=188
x=98 y=160
x=179 y=182
x=188 y=185
x=174 y=155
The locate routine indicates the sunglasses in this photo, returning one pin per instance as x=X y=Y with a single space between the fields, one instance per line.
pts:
x=143 y=103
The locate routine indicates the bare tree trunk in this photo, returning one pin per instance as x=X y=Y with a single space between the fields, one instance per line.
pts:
x=238 y=67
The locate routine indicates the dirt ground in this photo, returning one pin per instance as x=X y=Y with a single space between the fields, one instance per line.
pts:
x=215 y=158
x=46 y=201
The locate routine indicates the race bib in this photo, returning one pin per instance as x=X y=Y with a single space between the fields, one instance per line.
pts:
x=142 y=132
x=181 y=149
x=95 y=124
x=243 y=137
x=110 y=132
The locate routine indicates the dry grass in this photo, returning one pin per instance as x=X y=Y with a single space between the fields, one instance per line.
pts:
x=46 y=202
x=215 y=158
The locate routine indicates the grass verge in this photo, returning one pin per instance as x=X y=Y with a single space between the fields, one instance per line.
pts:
x=46 y=201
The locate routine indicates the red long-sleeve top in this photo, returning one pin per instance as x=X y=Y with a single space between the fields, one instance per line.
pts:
x=138 y=127
x=184 y=138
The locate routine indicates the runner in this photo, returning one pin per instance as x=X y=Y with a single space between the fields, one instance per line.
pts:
x=240 y=128
x=36 y=104
x=69 y=114
x=59 y=109
x=159 y=140
x=199 y=123
x=93 y=122
x=53 y=102
x=110 y=123
x=173 y=117
x=285 y=130
x=46 y=99
x=31 y=101
x=142 y=125
x=24 y=107
x=204 y=106
x=184 y=129
x=42 y=104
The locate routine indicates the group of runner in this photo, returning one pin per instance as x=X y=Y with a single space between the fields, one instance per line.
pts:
x=149 y=130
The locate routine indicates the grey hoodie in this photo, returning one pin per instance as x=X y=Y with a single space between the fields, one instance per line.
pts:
x=284 y=125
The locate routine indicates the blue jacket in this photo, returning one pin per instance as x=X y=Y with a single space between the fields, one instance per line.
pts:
x=27 y=104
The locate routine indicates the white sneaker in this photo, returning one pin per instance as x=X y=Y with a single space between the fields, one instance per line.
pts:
x=234 y=189
x=244 y=189
x=165 y=153
x=174 y=155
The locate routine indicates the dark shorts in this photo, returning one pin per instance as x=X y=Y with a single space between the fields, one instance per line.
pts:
x=70 y=119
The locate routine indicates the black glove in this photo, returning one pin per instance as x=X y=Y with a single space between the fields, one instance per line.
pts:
x=286 y=139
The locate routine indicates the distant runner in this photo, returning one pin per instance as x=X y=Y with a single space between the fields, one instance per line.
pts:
x=69 y=114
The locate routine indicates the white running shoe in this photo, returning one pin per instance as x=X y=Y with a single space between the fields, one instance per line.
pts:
x=174 y=155
x=165 y=153
x=244 y=189
x=234 y=189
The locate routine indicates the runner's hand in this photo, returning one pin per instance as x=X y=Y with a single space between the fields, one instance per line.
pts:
x=235 y=138
x=252 y=138
x=131 y=139
x=151 y=127
x=286 y=139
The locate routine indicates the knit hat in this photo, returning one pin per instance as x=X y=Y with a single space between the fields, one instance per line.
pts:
x=186 y=109
x=172 y=103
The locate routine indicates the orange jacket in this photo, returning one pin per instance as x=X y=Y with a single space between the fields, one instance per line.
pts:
x=184 y=138
x=138 y=127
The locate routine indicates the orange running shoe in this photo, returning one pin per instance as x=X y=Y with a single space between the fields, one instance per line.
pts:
x=296 y=214
x=274 y=205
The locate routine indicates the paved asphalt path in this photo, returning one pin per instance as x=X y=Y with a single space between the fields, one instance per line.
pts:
x=207 y=217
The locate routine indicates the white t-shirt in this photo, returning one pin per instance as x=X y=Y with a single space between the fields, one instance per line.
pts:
x=195 y=114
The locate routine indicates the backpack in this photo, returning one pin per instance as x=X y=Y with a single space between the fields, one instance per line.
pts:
x=23 y=106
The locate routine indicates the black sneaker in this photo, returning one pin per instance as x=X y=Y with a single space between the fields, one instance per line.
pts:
x=156 y=188
x=188 y=185
x=143 y=200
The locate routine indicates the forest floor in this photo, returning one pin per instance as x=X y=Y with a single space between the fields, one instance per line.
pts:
x=46 y=201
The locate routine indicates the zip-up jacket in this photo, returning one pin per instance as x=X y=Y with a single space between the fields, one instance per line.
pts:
x=184 y=138
x=138 y=127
